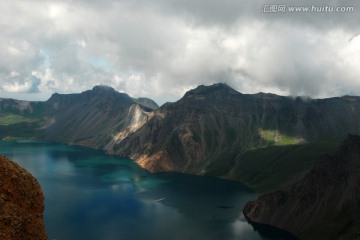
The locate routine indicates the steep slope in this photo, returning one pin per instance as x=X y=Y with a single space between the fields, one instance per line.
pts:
x=323 y=205
x=91 y=118
x=21 y=203
x=207 y=130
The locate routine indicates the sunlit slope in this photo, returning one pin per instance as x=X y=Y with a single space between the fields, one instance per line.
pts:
x=218 y=131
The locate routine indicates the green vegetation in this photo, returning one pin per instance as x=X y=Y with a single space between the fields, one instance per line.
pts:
x=274 y=137
x=20 y=126
x=10 y=119
x=21 y=130
x=268 y=168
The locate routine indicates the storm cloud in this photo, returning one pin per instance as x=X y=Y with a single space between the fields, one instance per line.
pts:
x=160 y=49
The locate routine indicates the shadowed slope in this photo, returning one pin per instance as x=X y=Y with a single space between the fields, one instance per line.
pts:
x=323 y=205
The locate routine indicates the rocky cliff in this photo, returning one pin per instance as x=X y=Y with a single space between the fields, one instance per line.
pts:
x=212 y=130
x=21 y=203
x=323 y=205
x=207 y=130
x=91 y=118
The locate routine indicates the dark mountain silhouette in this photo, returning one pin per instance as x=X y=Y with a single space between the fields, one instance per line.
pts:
x=323 y=205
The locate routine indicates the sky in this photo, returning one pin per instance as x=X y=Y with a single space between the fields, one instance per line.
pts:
x=162 y=48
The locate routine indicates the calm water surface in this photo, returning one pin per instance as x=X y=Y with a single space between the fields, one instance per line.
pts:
x=89 y=195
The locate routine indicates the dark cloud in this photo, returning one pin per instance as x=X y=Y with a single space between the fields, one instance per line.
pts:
x=161 y=48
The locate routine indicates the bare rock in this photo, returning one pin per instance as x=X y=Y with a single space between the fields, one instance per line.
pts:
x=21 y=203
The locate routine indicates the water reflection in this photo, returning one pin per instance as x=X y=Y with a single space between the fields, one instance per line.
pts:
x=89 y=195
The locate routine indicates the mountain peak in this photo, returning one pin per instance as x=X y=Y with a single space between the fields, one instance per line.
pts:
x=146 y=102
x=217 y=87
x=103 y=88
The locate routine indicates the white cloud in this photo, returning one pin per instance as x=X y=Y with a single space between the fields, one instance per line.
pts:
x=26 y=86
x=160 y=49
x=17 y=87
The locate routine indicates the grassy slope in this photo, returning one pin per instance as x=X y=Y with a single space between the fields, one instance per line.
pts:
x=281 y=160
x=10 y=119
x=273 y=137
x=20 y=126
x=268 y=168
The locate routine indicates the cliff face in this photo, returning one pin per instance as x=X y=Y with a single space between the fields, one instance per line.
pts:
x=91 y=118
x=323 y=205
x=21 y=203
x=206 y=131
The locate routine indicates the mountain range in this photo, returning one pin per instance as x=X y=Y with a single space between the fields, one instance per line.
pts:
x=272 y=143
x=212 y=130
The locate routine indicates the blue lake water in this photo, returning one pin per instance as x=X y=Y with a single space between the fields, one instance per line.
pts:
x=90 y=195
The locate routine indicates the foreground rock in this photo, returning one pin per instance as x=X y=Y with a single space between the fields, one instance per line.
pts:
x=324 y=205
x=21 y=203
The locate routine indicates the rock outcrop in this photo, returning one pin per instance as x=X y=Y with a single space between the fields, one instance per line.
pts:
x=206 y=131
x=21 y=204
x=323 y=205
x=93 y=118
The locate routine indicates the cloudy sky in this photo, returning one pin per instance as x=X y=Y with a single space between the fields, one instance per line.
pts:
x=162 y=48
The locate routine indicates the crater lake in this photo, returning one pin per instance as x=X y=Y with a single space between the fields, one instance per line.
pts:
x=91 y=195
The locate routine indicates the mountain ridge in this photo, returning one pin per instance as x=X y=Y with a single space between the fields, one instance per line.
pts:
x=90 y=118
x=263 y=140
x=193 y=129
x=212 y=130
x=330 y=191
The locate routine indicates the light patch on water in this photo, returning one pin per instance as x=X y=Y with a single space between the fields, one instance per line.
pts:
x=118 y=176
x=241 y=228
